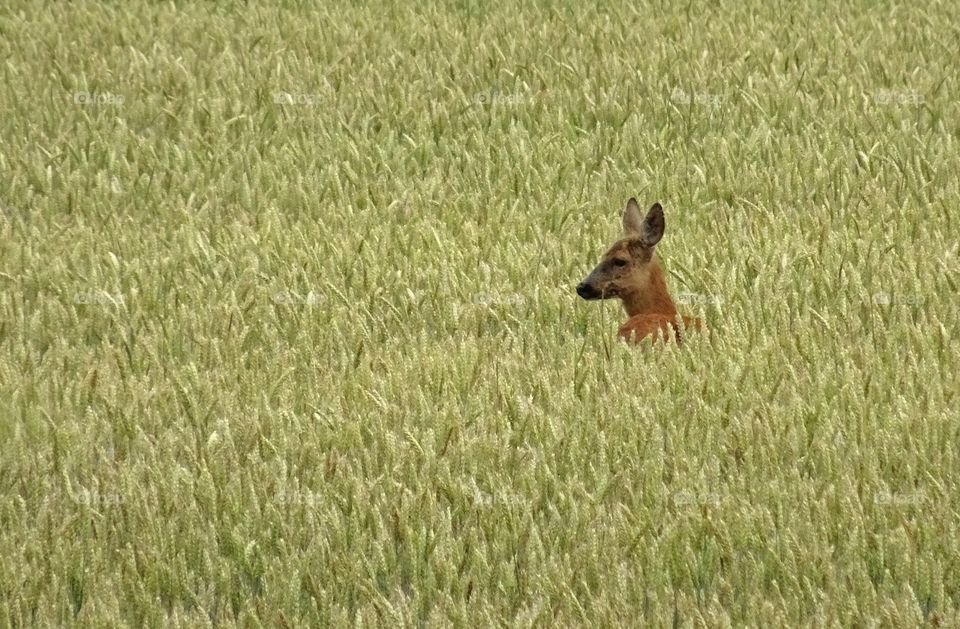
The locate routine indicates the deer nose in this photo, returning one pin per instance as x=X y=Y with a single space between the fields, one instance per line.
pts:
x=586 y=291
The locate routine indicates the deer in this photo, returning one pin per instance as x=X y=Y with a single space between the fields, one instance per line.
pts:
x=630 y=271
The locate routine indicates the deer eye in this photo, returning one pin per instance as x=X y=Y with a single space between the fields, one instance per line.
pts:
x=619 y=262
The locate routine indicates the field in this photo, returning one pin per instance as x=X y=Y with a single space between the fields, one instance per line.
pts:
x=288 y=330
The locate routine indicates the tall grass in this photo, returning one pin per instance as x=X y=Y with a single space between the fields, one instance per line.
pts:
x=288 y=332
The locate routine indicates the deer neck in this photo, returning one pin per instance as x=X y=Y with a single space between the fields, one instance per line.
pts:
x=650 y=296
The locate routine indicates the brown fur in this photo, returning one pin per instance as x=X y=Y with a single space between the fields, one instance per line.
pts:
x=630 y=271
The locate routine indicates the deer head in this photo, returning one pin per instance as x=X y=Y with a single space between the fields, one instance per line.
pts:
x=629 y=270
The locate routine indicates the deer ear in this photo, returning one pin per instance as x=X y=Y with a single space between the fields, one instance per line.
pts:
x=653 y=225
x=632 y=222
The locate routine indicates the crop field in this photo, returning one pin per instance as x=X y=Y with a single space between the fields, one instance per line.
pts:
x=289 y=335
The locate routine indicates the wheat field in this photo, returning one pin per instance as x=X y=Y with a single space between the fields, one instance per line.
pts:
x=289 y=336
